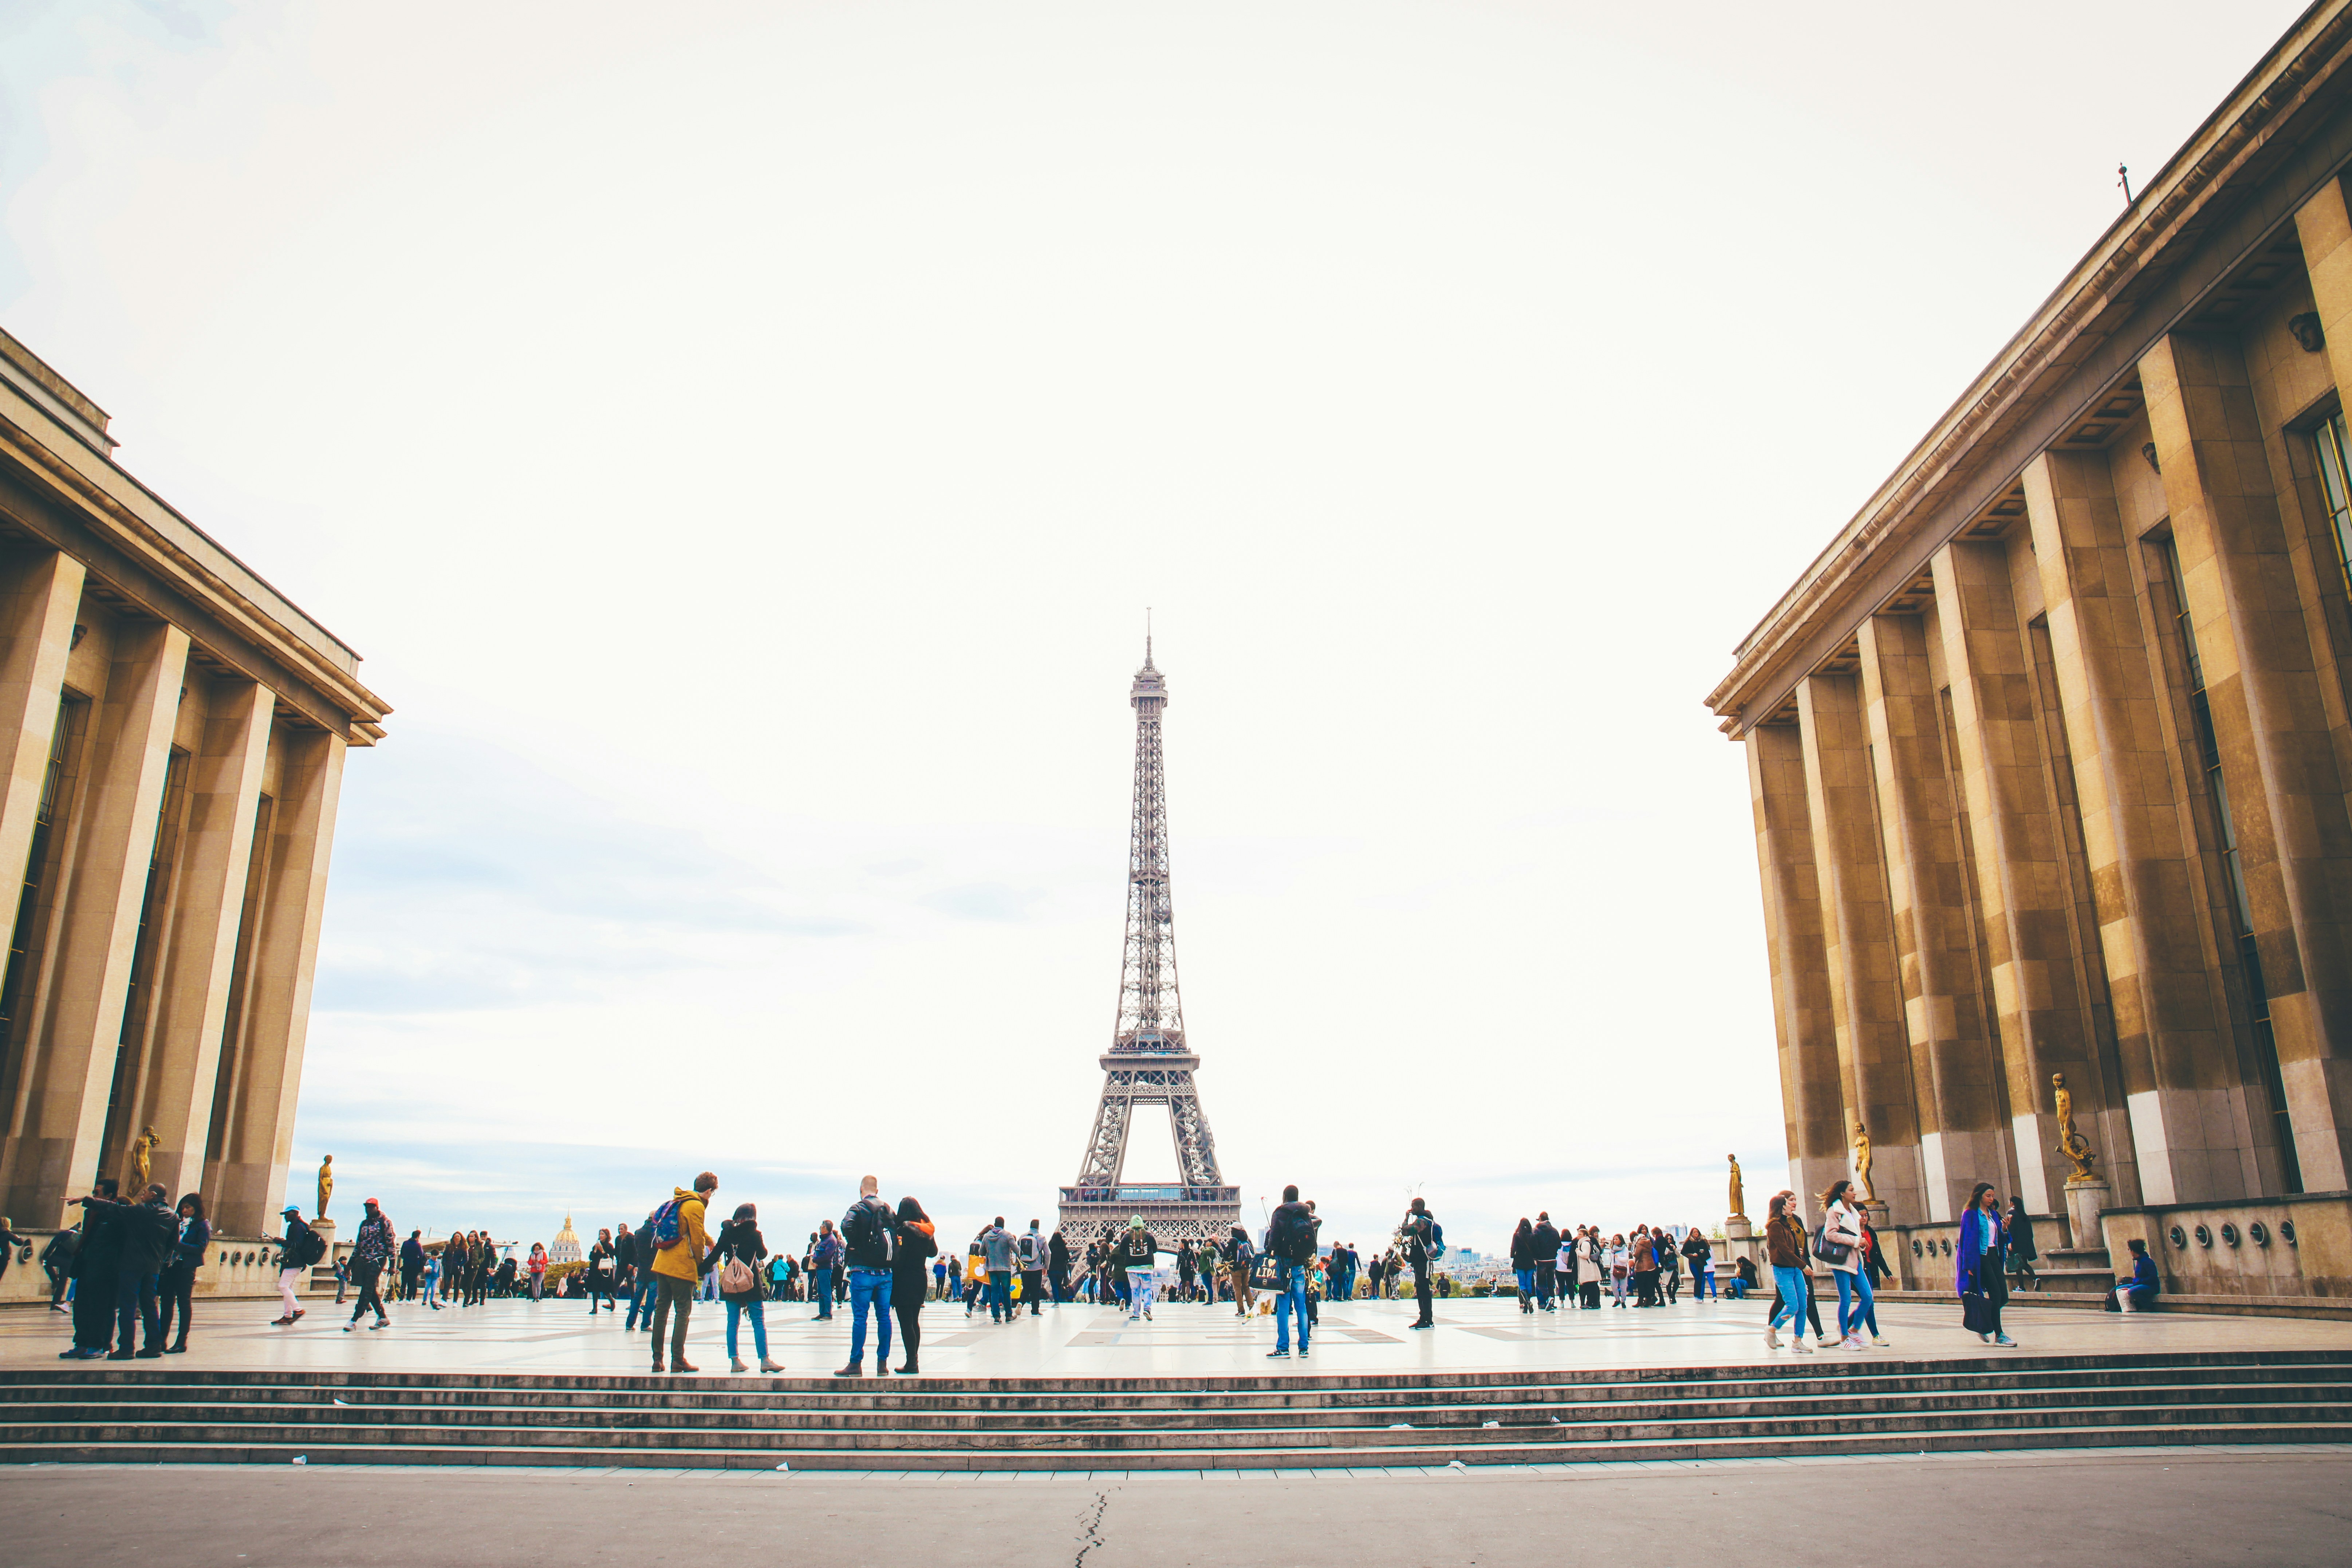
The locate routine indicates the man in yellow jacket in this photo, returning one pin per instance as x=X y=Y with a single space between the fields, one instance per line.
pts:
x=680 y=1267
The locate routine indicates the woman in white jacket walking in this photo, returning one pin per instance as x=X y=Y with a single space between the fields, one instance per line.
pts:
x=1841 y=1229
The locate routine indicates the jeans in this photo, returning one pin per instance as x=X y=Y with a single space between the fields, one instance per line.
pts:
x=177 y=1287
x=757 y=1311
x=1854 y=1299
x=1527 y=1277
x=820 y=1290
x=1292 y=1287
x=1000 y=1295
x=641 y=1301
x=1703 y=1282
x=671 y=1293
x=134 y=1304
x=1796 y=1295
x=1143 y=1288
x=1547 y=1283
x=869 y=1288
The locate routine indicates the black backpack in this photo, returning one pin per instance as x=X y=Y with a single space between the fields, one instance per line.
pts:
x=311 y=1248
x=1293 y=1240
x=862 y=1225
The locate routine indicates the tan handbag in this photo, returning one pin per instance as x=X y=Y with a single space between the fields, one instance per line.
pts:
x=736 y=1278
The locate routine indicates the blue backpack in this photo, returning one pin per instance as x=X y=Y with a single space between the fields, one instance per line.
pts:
x=666 y=1226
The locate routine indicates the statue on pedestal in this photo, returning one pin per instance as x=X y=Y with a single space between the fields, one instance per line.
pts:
x=1738 y=1197
x=2071 y=1141
x=326 y=1184
x=1862 y=1160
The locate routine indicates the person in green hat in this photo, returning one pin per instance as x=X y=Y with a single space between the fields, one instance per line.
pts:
x=1136 y=1256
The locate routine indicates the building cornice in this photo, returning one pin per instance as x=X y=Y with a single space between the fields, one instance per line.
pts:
x=2286 y=97
x=56 y=487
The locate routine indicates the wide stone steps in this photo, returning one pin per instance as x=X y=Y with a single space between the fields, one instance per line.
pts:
x=158 y=1417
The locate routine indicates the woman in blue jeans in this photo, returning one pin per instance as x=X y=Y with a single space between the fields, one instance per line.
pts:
x=1842 y=1226
x=739 y=1242
x=1784 y=1248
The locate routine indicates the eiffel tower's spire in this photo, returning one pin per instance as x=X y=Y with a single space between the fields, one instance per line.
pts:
x=1149 y=1061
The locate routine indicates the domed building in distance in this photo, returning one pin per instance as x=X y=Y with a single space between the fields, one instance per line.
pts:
x=565 y=1247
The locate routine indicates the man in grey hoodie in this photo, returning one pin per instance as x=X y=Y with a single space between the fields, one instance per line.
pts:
x=996 y=1243
x=1030 y=1251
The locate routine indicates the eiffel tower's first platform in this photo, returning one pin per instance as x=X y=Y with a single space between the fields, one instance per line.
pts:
x=1148 y=1062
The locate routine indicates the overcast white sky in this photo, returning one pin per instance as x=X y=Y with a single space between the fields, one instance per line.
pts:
x=744 y=439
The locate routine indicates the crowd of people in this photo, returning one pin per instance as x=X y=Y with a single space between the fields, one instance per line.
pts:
x=130 y=1265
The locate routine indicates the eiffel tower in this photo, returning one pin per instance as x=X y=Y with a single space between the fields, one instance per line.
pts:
x=1148 y=1062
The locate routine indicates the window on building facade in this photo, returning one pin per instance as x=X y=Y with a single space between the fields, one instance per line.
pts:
x=2334 y=451
x=2225 y=834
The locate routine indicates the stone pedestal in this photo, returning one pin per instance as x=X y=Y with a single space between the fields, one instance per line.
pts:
x=1740 y=1241
x=2085 y=1200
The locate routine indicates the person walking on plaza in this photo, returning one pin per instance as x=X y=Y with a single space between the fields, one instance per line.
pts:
x=1843 y=1245
x=975 y=1271
x=177 y=1287
x=917 y=1239
x=371 y=1255
x=429 y=1280
x=825 y=1266
x=1545 y=1239
x=602 y=1273
x=1238 y=1261
x=1700 y=1254
x=411 y=1264
x=1592 y=1267
x=1423 y=1245
x=1784 y=1247
x=1136 y=1257
x=681 y=1249
x=1290 y=1237
x=1029 y=1251
x=1057 y=1266
x=1670 y=1263
x=641 y=1275
x=1523 y=1263
x=996 y=1256
x=737 y=1255
x=537 y=1269
x=299 y=1248
x=149 y=1236
x=2021 y=1254
x=868 y=1230
x=1644 y=1265
x=1977 y=1265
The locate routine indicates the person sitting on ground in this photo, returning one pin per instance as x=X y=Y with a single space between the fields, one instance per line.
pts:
x=2137 y=1293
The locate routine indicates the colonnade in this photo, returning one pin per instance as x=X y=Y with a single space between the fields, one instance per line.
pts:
x=2075 y=802
x=171 y=821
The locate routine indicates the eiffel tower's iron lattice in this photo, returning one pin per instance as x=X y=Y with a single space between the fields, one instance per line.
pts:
x=1150 y=1062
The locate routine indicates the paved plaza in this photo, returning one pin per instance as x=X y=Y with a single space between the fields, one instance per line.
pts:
x=1181 y=1341
x=2152 y=1510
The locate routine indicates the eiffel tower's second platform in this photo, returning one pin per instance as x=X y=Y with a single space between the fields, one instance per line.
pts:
x=1171 y=1212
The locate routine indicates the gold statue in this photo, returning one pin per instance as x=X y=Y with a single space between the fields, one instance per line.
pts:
x=1862 y=1160
x=1738 y=1197
x=326 y=1184
x=2071 y=1141
x=137 y=1173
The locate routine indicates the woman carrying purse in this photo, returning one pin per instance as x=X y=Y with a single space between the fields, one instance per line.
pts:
x=1977 y=1265
x=1839 y=1244
x=737 y=1252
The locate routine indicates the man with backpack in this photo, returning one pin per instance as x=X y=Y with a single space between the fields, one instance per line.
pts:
x=1424 y=1243
x=1290 y=1240
x=299 y=1248
x=869 y=1231
x=1136 y=1256
x=682 y=1255
x=1029 y=1253
x=997 y=1253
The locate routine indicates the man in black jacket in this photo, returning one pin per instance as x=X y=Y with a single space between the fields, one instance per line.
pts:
x=1290 y=1237
x=93 y=1272
x=148 y=1233
x=1420 y=1249
x=1547 y=1259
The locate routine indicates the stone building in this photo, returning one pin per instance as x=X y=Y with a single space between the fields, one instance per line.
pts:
x=2050 y=750
x=172 y=741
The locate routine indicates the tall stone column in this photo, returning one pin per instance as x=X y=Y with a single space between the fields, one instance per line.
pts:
x=249 y=1175
x=2021 y=855
x=2286 y=798
x=1954 y=1060
x=1801 y=1014
x=39 y=591
x=2159 y=1129
x=1858 y=935
x=80 y=1026
x=191 y=998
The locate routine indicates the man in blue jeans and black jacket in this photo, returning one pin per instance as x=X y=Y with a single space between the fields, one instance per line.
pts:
x=1290 y=1238
x=868 y=1232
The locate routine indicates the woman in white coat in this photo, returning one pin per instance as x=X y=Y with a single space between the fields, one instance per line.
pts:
x=1841 y=1240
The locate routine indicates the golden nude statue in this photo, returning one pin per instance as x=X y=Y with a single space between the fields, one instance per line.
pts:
x=2071 y=1141
x=137 y=1166
x=326 y=1184
x=1862 y=1160
x=1739 y=1195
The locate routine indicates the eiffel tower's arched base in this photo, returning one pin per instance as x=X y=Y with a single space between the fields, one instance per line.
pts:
x=1172 y=1214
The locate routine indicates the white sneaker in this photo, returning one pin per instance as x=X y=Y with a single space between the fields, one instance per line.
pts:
x=1852 y=1343
x=1773 y=1339
x=1802 y=1348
